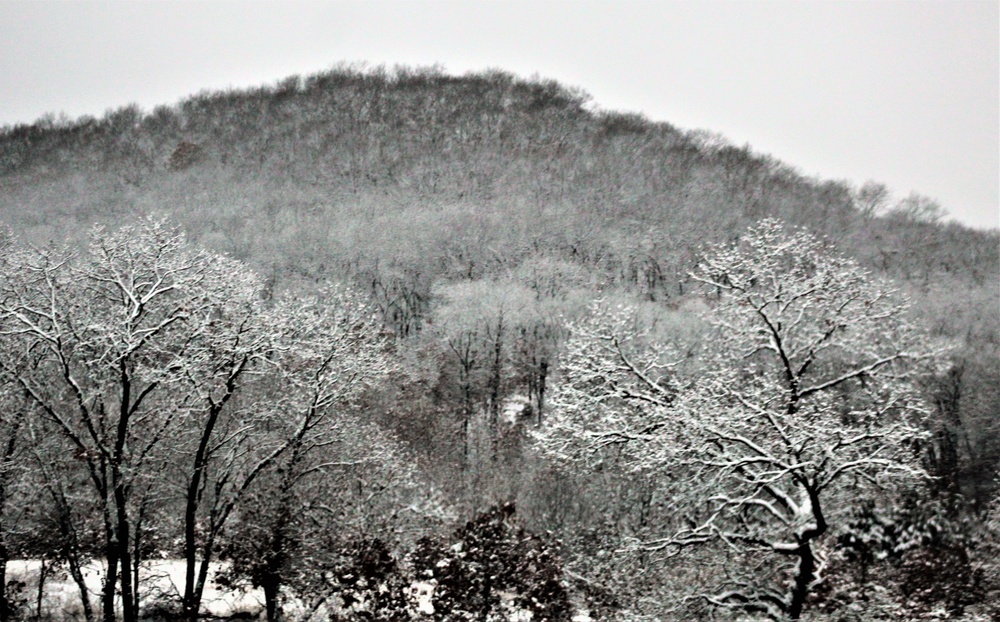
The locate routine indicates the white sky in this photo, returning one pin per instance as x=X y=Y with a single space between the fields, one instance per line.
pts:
x=903 y=92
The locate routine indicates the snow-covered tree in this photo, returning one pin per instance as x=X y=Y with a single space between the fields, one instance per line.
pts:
x=804 y=395
x=617 y=393
x=479 y=323
x=159 y=368
x=223 y=422
x=328 y=351
x=102 y=337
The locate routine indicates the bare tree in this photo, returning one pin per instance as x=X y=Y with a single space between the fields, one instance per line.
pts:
x=872 y=199
x=14 y=411
x=805 y=394
x=218 y=465
x=916 y=208
x=108 y=334
x=326 y=353
x=479 y=322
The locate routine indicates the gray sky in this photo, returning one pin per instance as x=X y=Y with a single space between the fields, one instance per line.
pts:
x=902 y=92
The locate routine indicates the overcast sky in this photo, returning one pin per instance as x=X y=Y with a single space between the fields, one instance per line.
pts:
x=902 y=92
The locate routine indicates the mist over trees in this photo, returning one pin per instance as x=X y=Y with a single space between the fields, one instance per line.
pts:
x=370 y=334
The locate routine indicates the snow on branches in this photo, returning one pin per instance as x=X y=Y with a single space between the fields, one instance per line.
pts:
x=156 y=363
x=803 y=394
x=617 y=394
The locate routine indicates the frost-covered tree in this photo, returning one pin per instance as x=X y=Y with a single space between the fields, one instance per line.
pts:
x=328 y=351
x=804 y=395
x=14 y=483
x=496 y=570
x=100 y=339
x=223 y=422
x=479 y=323
x=617 y=392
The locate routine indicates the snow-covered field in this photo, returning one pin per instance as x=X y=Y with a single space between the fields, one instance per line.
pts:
x=163 y=580
x=160 y=579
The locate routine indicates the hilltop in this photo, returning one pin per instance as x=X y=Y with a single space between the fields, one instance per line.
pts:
x=526 y=162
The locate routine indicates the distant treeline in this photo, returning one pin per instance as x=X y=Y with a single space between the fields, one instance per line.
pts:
x=526 y=162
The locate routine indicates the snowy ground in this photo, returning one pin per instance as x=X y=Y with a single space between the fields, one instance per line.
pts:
x=164 y=580
x=161 y=578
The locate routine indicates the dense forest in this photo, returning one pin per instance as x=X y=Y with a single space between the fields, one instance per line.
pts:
x=400 y=345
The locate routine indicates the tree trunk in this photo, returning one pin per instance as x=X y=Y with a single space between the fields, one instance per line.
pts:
x=110 y=581
x=270 y=586
x=495 y=381
x=137 y=535
x=199 y=586
x=70 y=548
x=192 y=604
x=274 y=564
x=43 y=572
x=120 y=492
x=192 y=597
x=8 y=463
x=803 y=578
x=466 y=381
x=543 y=372
x=806 y=573
x=124 y=557
x=271 y=580
x=81 y=584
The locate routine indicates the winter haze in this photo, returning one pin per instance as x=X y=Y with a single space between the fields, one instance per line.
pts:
x=547 y=312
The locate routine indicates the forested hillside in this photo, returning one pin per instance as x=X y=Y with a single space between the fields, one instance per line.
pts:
x=408 y=284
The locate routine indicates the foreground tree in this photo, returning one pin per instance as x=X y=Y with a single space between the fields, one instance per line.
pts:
x=805 y=394
x=13 y=481
x=492 y=568
x=218 y=464
x=328 y=352
x=101 y=339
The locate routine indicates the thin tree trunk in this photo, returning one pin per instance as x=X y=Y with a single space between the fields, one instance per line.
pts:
x=192 y=599
x=466 y=382
x=199 y=586
x=275 y=560
x=8 y=464
x=123 y=533
x=5 y=612
x=137 y=533
x=120 y=493
x=81 y=584
x=71 y=553
x=70 y=544
x=110 y=556
x=110 y=581
x=43 y=571
x=543 y=372
x=495 y=381
x=270 y=586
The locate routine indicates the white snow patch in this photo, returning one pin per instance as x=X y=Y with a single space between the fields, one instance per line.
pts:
x=422 y=596
x=514 y=407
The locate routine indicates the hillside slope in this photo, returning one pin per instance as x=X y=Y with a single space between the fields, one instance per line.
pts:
x=404 y=181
